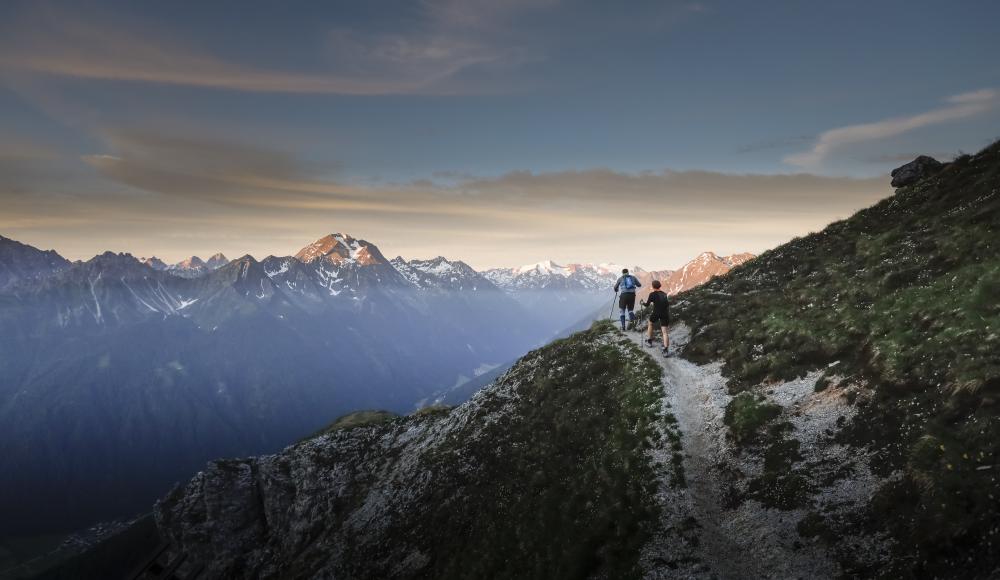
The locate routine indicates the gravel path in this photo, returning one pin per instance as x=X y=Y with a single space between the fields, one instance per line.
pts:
x=747 y=542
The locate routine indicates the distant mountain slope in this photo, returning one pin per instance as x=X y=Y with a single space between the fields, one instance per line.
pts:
x=21 y=263
x=192 y=267
x=897 y=311
x=548 y=275
x=554 y=295
x=155 y=263
x=120 y=378
x=700 y=270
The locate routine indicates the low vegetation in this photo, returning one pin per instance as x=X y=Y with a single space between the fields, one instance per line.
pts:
x=566 y=486
x=747 y=414
x=905 y=296
x=548 y=473
x=355 y=419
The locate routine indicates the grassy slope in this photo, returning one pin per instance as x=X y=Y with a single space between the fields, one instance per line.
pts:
x=905 y=295
x=569 y=492
x=545 y=474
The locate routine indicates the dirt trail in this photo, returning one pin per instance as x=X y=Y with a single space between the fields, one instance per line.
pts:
x=747 y=542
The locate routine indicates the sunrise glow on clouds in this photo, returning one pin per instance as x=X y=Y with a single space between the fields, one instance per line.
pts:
x=495 y=133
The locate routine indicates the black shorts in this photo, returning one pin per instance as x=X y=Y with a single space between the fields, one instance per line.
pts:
x=661 y=319
x=627 y=301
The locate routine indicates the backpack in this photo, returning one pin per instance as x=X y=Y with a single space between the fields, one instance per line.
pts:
x=628 y=283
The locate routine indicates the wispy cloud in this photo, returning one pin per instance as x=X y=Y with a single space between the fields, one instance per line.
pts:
x=52 y=42
x=196 y=183
x=957 y=107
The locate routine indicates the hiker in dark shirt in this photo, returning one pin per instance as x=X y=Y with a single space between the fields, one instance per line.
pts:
x=660 y=317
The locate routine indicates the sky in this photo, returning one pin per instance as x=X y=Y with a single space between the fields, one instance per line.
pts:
x=499 y=133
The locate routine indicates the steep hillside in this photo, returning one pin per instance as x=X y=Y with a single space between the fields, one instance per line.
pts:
x=544 y=474
x=893 y=318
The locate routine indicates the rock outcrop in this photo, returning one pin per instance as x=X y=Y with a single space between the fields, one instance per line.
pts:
x=915 y=170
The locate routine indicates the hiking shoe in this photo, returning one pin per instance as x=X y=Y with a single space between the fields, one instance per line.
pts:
x=649 y=342
x=666 y=352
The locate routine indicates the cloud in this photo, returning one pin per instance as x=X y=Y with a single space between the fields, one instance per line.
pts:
x=50 y=42
x=906 y=157
x=187 y=186
x=958 y=107
x=220 y=171
x=769 y=144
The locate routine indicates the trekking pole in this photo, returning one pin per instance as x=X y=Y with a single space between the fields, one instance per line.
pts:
x=611 y=315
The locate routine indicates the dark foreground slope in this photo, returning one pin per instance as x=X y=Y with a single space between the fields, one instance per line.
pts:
x=544 y=474
x=901 y=305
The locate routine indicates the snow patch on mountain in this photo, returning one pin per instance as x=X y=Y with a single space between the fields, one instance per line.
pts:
x=550 y=275
x=341 y=248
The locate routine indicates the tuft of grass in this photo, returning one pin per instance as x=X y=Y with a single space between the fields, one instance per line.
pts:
x=747 y=414
x=353 y=420
x=433 y=411
x=813 y=525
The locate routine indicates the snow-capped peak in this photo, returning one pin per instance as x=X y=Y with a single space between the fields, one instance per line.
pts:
x=341 y=248
x=192 y=263
x=217 y=261
x=154 y=263
x=545 y=267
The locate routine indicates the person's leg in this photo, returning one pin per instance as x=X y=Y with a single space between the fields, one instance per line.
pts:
x=649 y=332
x=666 y=336
x=621 y=308
x=622 y=318
x=630 y=306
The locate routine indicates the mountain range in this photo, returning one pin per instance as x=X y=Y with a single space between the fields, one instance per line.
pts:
x=189 y=267
x=832 y=413
x=123 y=375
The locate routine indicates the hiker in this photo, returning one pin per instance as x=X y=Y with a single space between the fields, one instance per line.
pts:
x=660 y=317
x=626 y=302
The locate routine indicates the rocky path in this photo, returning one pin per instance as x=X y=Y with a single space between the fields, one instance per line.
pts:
x=747 y=542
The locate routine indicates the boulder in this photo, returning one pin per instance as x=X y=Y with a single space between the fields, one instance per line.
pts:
x=915 y=170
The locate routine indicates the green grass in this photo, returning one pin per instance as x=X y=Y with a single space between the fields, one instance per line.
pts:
x=355 y=419
x=433 y=411
x=673 y=433
x=747 y=414
x=906 y=295
x=566 y=488
x=547 y=474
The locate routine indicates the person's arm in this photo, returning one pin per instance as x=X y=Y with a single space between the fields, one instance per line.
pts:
x=617 y=282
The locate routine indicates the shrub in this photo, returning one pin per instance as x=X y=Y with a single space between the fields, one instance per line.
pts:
x=747 y=414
